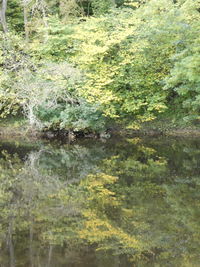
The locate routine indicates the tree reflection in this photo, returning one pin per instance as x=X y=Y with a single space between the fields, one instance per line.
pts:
x=123 y=202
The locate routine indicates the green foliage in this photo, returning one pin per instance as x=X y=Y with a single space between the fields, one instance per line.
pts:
x=13 y=60
x=127 y=56
x=53 y=43
x=138 y=59
x=57 y=105
x=102 y=7
x=15 y=15
x=121 y=67
x=184 y=75
x=71 y=8
x=78 y=117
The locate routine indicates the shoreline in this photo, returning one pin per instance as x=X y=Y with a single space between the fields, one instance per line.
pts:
x=24 y=132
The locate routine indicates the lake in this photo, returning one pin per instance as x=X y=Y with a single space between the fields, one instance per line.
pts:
x=115 y=203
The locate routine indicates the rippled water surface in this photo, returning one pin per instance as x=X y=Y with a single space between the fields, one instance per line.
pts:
x=119 y=203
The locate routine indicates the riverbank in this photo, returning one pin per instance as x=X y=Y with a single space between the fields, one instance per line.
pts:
x=163 y=128
x=19 y=129
x=168 y=127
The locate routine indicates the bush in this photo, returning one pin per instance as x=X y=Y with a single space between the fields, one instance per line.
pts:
x=51 y=100
x=79 y=117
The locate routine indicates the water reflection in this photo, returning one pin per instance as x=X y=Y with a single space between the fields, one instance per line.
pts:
x=122 y=203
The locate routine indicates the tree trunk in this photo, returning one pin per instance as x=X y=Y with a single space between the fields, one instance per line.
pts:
x=3 y=15
x=26 y=23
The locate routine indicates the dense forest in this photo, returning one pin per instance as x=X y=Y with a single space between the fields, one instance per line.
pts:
x=85 y=65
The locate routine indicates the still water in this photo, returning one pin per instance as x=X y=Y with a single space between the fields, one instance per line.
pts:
x=120 y=203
